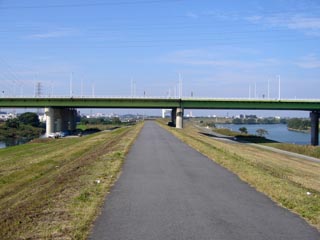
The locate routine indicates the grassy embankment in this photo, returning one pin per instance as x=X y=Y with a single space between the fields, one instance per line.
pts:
x=102 y=127
x=286 y=180
x=53 y=188
x=308 y=150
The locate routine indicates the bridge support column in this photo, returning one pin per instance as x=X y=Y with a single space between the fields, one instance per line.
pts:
x=179 y=118
x=314 y=115
x=163 y=113
x=58 y=115
x=72 y=115
x=65 y=120
x=60 y=119
x=173 y=116
x=49 y=120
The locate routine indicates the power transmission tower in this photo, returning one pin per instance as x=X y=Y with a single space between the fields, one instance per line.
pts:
x=38 y=93
x=38 y=89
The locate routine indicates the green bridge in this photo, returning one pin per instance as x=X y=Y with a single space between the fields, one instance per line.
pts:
x=185 y=103
x=61 y=111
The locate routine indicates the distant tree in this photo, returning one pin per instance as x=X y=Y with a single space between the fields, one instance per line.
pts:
x=12 y=123
x=211 y=124
x=116 y=120
x=250 y=121
x=262 y=132
x=237 y=121
x=243 y=130
x=283 y=121
x=29 y=118
x=299 y=124
x=84 y=121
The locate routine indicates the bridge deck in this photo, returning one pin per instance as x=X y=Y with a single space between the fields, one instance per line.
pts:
x=186 y=103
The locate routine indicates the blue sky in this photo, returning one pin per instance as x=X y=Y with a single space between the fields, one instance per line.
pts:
x=220 y=48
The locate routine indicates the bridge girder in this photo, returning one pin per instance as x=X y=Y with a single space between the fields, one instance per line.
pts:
x=161 y=103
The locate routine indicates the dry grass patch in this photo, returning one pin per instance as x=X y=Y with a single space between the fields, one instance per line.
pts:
x=308 y=150
x=291 y=182
x=53 y=189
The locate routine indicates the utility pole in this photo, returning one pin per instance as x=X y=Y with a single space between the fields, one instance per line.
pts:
x=255 y=90
x=21 y=89
x=51 y=89
x=279 y=87
x=93 y=93
x=81 y=88
x=268 y=89
x=71 y=79
x=131 y=90
x=180 y=86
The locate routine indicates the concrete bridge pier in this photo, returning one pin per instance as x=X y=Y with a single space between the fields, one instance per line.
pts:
x=65 y=119
x=49 y=120
x=173 y=116
x=179 y=118
x=314 y=115
x=72 y=115
x=60 y=119
x=164 y=111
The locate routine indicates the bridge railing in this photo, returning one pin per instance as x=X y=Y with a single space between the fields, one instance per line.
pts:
x=156 y=97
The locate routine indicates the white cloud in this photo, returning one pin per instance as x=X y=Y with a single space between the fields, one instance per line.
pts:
x=310 y=25
x=309 y=62
x=63 y=32
x=192 y=15
x=254 y=19
x=204 y=57
x=298 y=22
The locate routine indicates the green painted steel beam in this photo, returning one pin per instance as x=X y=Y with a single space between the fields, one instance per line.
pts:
x=192 y=103
x=89 y=102
x=247 y=104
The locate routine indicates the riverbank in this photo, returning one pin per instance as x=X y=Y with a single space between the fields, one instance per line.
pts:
x=289 y=181
x=20 y=132
x=308 y=150
x=53 y=188
x=299 y=130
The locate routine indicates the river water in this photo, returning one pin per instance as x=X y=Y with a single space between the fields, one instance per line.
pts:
x=276 y=132
x=13 y=142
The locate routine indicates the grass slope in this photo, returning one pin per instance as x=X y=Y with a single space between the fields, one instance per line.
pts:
x=284 y=179
x=52 y=188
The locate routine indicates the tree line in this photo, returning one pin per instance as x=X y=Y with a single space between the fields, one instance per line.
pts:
x=301 y=124
x=26 y=125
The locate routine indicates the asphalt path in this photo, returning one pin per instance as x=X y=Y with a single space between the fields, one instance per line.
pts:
x=170 y=191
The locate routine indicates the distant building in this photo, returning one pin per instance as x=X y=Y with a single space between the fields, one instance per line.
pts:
x=5 y=116
x=251 y=116
x=42 y=118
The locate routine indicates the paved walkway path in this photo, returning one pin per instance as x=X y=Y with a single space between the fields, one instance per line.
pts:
x=169 y=191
